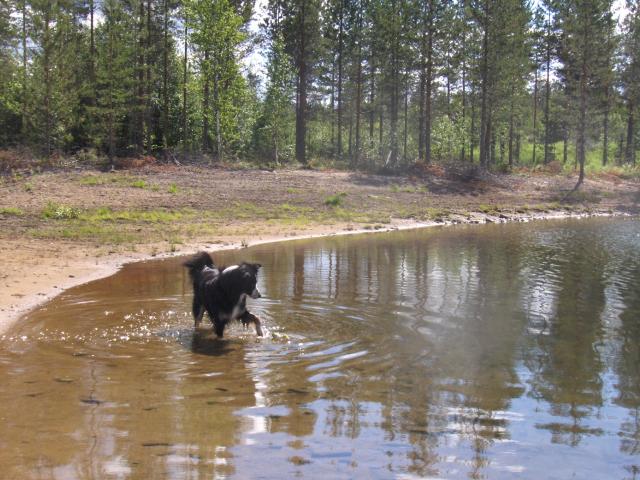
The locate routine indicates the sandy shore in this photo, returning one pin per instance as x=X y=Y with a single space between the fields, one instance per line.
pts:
x=37 y=271
x=64 y=228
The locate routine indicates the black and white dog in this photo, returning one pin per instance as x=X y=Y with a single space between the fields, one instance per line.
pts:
x=223 y=291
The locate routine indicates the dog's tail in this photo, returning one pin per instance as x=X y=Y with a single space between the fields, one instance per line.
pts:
x=196 y=263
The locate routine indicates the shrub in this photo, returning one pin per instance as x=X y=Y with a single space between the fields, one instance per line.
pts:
x=335 y=200
x=60 y=212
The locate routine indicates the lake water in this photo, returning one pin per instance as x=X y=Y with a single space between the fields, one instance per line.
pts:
x=498 y=351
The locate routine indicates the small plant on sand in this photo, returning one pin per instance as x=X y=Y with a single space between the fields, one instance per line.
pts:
x=92 y=180
x=28 y=187
x=11 y=211
x=139 y=184
x=60 y=212
x=335 y=200
x=489 y=209
x=173 y=189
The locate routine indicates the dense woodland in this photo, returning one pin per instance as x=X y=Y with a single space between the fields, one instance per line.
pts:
x=362 y=83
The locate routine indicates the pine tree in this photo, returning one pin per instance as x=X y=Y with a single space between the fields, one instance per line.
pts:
x=301 y=34
x=216 y=34
x=585 y=27
x=277 y=104
x=631 y=75
x=10 y=89
x=115 y=46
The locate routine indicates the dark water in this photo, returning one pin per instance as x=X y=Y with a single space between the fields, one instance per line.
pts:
x=497 y=351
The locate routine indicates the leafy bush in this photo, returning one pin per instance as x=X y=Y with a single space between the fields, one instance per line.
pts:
x=11 y=211
x=335 y=200
x=60 y=212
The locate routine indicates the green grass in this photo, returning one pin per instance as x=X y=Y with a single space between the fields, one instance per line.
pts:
x=139 y=184
x=335 y=200
x=409 y=188
x=11 y=211
x=488 y=209
x=56 y=211
x=118 y=180
x=105 y=214
x=173 y=189
x=92 y=180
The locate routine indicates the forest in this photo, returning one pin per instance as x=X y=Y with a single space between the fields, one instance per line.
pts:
x=361 y=84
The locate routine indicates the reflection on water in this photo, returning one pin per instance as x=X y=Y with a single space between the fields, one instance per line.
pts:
x=471 y=352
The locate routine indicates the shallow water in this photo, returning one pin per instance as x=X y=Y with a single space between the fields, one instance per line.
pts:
x=494 y=351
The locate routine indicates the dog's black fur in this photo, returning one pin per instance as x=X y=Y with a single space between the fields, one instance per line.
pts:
x=223 y=292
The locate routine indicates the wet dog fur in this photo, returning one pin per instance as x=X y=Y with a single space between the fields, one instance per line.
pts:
x=222 y=292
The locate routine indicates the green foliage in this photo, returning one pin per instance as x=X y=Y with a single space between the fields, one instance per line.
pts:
x=11 y=211
x=335 y=200
x=346 y=82
x=57 y=211
x=273 y=133
x=139 y=184
x=448 y=138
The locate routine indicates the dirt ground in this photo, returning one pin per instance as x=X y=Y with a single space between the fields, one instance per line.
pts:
x=64 y=228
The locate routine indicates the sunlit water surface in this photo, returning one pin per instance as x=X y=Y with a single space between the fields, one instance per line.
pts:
x=468 y=352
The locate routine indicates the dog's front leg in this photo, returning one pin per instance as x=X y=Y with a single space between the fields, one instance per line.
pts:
x=248 y=317
x=198 y=311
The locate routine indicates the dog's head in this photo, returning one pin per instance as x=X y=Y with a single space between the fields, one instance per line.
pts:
x=244 y=278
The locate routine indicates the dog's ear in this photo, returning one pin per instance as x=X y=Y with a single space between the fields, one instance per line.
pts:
x=257 y=266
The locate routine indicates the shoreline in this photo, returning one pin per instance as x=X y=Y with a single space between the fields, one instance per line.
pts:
x=79 y=266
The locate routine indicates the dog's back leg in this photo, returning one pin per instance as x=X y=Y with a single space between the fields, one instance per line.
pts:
x=198 y=310
x=218 y=327
x=248 y=317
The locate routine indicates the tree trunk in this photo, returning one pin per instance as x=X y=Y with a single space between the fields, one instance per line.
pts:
x=421 y=99
x=165 y=80
x=535 y=115
x=149 y=86
x=621 y=151
x=472 y=128
x=46 y=66
x=511 y=132
x=406 y=117
x=605 y=132
x=185 y=72
x=428 y=87
x=92 y=55
x=380 y=132
x=464 y=96
x=24 y=71
x=333 y=107
x=484 y=117
x=216 y=106
x=110 y=117
x=205 y=104
x=139 y=129
x=393 y=110
x=301 y=121
x=582 y=125
x=372 y=111
x=301 y=104
x=547 y=95
x=340 y=62
x=631 y=150
x=356 y=156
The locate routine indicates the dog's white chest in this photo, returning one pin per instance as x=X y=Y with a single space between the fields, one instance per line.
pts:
x=240 y=307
